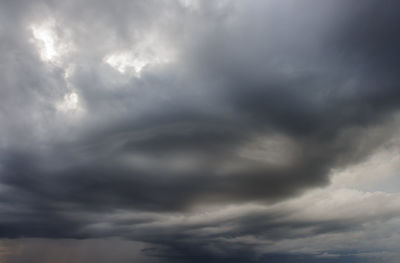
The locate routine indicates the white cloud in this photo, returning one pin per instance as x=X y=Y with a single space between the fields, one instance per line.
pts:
x=150 y=50
x=51 y=46
x=70 y=104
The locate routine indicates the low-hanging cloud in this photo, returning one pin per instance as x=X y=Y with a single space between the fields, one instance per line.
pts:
x=147 y=109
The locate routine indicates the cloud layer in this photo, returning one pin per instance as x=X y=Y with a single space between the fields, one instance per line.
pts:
x=200 y=127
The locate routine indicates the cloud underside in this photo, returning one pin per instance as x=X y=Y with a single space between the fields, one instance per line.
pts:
x=202 y=128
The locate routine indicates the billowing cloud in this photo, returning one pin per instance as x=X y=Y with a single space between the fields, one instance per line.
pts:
x=211 y=130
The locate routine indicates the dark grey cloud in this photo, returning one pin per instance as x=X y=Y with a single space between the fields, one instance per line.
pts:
x=261 y=100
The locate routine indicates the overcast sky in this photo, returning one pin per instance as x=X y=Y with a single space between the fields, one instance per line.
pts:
x=163 y=131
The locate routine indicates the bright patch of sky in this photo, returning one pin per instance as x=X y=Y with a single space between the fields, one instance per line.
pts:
x=52 y=47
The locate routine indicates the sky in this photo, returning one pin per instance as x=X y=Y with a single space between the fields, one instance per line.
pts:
x=168 y=131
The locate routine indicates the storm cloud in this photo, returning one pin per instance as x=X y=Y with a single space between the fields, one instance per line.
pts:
x=210 y=131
